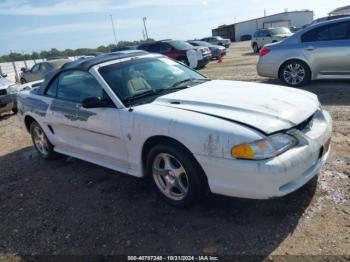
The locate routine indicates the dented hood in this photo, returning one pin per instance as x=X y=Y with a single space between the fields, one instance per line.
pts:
x=268 y=108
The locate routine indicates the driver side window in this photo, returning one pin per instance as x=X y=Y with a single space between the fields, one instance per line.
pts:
x=77 y=85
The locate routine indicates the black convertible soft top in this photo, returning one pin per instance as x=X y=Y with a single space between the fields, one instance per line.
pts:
x=86 y=63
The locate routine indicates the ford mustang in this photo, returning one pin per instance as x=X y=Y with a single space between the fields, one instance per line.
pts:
x=148 y=116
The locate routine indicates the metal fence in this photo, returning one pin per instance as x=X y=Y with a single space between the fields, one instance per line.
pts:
x=13 y=69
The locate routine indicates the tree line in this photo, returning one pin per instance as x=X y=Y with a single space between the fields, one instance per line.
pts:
x=14 y=56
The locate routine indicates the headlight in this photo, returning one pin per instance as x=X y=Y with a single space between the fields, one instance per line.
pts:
x=13 y=89
x=265 y=148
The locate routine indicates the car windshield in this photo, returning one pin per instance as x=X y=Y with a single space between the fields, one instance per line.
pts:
x=134 y=82
x=180 y=45
x=201 y=43
x=280 y=31
x=219 y=38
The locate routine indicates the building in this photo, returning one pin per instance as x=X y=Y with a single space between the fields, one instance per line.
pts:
x=341 y=11
x=288 y=19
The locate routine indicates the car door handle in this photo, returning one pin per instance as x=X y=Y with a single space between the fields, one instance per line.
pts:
x=310 y=48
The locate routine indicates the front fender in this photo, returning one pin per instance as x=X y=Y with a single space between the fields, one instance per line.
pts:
x=200 y=134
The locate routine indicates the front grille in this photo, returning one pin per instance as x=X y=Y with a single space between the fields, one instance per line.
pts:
x=3 y=92
x=304 y=124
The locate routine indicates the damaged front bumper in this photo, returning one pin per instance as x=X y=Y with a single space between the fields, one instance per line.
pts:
x=274 y=177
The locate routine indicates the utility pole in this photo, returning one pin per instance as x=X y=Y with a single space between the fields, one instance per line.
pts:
x=115 y=36
x=264 y=12
x=144 y=24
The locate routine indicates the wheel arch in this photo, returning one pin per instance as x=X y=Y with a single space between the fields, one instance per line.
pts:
x=28 y=120
x=293 y=59
x=154 y=140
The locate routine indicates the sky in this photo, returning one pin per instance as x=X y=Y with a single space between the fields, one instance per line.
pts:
x=36 y=25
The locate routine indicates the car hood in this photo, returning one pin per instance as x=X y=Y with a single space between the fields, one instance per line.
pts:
x=268 y=108
x=4 y=83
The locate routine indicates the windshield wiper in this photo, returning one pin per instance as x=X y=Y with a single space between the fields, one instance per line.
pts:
x=181 y=86
x=179 y=83
x=154 y=92
x=141 y=95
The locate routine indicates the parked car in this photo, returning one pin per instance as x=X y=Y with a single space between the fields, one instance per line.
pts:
x=149 y=116
x=328 y=18
x=321 y=51
x=217 y=40
x=124 y=48
x=294 y=29
x=177 y=50
x=246 y=37
x=8 y=91
x=39 y=70
x=216 y=50
x=267 y=36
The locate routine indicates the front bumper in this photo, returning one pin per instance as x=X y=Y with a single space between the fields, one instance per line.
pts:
x=202 y=63
x=7 y=103
x=274 y=177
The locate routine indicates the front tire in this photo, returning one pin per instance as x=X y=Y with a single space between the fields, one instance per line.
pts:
x=41 y=142
x=175 y=175
x=295 y=73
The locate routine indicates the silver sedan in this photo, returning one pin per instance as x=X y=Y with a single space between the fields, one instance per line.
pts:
x=321 y=51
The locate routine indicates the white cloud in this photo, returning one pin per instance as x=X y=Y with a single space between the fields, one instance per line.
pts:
x=63 y=7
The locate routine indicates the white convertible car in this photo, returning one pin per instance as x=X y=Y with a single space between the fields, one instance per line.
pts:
x=148 y=116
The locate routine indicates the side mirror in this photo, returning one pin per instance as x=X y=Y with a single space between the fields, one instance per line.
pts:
x=96 y=102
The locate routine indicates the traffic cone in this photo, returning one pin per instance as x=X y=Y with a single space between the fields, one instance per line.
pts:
x=219 y=57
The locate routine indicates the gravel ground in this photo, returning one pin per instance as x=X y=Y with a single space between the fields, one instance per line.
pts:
x=73 y=207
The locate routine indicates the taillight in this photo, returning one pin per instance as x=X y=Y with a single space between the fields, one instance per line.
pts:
x=264 y=51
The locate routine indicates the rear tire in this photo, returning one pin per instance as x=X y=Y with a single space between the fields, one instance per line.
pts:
x=295 y=73
x=175 y=174
x=41 y=143
x=15 y=111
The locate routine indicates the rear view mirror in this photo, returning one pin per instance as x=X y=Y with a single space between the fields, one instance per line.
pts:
x=96 y=102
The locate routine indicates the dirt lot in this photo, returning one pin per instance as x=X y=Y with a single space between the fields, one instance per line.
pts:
x=73 y=207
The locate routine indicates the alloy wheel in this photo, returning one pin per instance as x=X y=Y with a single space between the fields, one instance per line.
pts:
x=40 y=141
x=294 y=74
x=170 y=176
